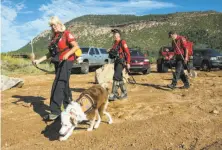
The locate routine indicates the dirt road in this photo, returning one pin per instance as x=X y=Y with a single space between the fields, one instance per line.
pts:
x=153 y=117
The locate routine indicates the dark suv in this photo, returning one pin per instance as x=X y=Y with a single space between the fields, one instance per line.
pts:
x=139 y=63
x=206 y=59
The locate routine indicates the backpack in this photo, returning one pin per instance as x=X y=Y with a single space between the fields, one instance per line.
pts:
x=114 y=53
x=189 y=47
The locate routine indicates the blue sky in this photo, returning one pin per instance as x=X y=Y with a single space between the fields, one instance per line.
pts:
x=22 y=20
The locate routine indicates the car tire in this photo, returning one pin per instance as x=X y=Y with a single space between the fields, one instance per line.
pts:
x=147 y=71
x=85 y=68
x=159 y=66
x=106 y=62
x=164 y=67
x=205 y=66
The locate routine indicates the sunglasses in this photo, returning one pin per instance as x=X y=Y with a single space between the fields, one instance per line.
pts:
x=52 y=25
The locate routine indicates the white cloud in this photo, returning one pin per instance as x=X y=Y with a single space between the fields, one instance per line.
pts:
x=15 y=36
x=10 y=36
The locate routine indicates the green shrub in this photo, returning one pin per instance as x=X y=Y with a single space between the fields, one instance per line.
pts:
x=10 y=65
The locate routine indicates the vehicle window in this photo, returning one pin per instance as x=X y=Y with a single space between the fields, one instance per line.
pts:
x=103 y=51
x=135 y=53
x=197 y=53
x=97 y=51
x=85 y=50
x=92 y=51
x=214 y=53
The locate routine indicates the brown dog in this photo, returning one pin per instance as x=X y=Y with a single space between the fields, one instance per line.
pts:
x=91 y=104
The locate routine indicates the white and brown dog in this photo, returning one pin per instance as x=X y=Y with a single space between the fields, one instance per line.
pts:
x=91 y=104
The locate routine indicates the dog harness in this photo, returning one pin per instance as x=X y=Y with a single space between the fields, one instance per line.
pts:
x=86 y=102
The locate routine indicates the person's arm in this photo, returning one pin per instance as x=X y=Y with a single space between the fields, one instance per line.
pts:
x=71 y=40
x=184 y=46
x=173 y=46
x=75 y=47
x=127 y=52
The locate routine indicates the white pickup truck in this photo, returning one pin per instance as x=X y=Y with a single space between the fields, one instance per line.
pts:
x=91 y=57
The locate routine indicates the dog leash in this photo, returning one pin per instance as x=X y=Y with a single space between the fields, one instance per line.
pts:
x=133 y=81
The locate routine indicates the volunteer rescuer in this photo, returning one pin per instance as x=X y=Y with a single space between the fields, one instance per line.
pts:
x=179 y=45
x=61 y=52
x=121 y=55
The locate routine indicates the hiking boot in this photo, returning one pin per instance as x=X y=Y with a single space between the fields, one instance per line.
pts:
x=171 y=86
x=123 y=90
x=114 y=95
x=185 y=80
x=186 y=86
x=50 y=117
x=123 y=96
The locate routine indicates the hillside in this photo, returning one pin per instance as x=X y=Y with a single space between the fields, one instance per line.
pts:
x=147 y=32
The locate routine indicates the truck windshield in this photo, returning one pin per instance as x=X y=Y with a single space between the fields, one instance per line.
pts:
x=135 y=53
x=215 y=53
x=103 y=51
x=85 y=50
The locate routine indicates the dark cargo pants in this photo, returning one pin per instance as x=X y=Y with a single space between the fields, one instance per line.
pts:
x=179 y=74
x=61 y=92
x=118 y=72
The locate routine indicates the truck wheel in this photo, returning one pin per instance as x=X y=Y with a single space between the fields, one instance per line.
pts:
x=147 y=71
x=106 y=61
x=159 y=67
x=85 y=68
x=205 y=66
x=164 y=67
x=197 y=68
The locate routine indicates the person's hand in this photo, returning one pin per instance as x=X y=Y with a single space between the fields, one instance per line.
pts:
x=170 y=56
x=108 y=50
x=36 y=62
x=128 y=66
x=66 y=56
x=186 y=60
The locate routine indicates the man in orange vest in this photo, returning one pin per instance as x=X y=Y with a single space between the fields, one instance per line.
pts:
x=179 y=44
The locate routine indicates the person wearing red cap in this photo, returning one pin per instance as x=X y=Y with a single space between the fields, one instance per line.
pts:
x=179 y=44
x=121 y=60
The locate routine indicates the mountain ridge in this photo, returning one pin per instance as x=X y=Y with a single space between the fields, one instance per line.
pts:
x=148 y=32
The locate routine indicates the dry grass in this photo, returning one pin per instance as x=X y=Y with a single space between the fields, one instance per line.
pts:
x=10 y=65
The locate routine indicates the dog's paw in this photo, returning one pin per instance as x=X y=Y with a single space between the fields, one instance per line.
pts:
x=89 y=129
x=96 y=126
x=110 y=122
x=61 y=138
